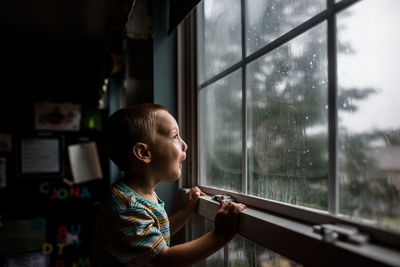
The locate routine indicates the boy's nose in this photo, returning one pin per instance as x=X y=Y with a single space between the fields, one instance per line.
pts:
x=184 y=146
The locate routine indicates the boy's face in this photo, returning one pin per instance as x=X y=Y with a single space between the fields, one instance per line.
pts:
x=168 y=150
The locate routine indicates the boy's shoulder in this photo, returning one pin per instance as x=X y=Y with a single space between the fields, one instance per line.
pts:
x=125 y=198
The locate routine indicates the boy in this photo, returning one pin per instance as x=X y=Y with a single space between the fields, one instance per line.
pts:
x=132 y=228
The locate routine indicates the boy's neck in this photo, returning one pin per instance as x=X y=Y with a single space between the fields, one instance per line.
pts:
x=142 y=186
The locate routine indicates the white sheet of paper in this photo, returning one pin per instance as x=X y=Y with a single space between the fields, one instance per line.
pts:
x=85 y=162
x=32 y=259
x=40 y=155
x=3 y=172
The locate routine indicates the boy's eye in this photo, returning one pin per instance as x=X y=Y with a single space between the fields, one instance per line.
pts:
x=176 y=136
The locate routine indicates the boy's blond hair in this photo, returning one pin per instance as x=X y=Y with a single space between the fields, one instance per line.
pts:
x=127 y=126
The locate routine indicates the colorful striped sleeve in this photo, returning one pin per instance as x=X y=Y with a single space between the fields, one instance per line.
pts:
x=133 y=231
x=136 y=237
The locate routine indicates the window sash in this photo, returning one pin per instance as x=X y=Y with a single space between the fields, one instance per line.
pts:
x=296 y=240
x=326 y=15
x=188 y=113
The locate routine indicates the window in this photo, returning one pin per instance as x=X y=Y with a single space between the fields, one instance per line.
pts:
x=270 y=105
x=298 y=116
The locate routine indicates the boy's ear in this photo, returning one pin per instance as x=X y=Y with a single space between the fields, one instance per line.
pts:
x=142 y=152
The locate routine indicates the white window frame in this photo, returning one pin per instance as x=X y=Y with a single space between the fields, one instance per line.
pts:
x=284 y=228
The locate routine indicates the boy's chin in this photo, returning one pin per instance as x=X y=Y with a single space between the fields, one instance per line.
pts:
x=172 y=179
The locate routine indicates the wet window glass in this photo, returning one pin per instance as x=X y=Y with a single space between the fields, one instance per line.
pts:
x=266 y=20
x=368 y=108
x=239 y=252
x=287 y=139
x=284 y=106
x=220 y=133
x=219 y=37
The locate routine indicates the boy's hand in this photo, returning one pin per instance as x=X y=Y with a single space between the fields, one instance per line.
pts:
x=226 y=219
x=192 y=197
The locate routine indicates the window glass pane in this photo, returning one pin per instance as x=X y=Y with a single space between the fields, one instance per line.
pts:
x=368 y=108
x=243 y=252
x=219 y=37
x=220 y=133
x=266 y=20
x=287 y=122
x=201 y=226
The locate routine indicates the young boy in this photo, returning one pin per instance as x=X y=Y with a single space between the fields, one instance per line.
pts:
x=132 y=228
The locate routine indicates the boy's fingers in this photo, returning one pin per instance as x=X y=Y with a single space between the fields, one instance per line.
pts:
x=196 y=189
x=236 y=208
x=222 y=204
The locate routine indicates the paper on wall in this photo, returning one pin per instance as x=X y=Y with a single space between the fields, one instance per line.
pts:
x=57 y=116
x=3 y=172
x=85 y=162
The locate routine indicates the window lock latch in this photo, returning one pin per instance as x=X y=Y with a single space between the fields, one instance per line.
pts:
x=227 y=198
x=332 y=232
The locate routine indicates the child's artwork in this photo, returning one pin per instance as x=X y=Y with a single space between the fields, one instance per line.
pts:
x=57 y=116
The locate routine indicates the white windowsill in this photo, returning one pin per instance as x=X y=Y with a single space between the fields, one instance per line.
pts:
x=297 y=241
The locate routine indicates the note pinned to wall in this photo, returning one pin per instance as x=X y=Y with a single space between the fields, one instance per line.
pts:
x=31 y=259
x=85 y=162
x=3 y=172
x=22 y=235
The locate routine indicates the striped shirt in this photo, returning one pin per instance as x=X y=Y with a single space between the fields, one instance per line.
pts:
x=130 y=230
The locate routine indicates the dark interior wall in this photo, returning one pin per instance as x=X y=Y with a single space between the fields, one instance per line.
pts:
x=164 y=63
x=50 y=50
x=55 y=51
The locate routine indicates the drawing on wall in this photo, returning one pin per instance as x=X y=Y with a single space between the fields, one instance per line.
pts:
x=57 y=116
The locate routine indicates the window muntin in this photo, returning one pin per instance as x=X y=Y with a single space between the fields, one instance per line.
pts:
x=267 y=20
x=287 y=130
x=246 y=114
x=221 y=46
x=369 y=122
x=220 y=133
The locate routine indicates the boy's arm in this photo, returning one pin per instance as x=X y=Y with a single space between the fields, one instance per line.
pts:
x=179 y=218
x=199 y=249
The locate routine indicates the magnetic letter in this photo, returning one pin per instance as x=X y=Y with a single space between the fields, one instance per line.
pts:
x=62 y=193
x=54 y=195
x=38 y=223
x=60 y=263
x=44 y=188
x=60 y=248
x=76 y=231
x=62 y=232
x=74 y=192
x=85 y=193
x=47 y=249
x=83 y=262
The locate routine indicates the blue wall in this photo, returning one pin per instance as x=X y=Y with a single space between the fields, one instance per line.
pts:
x=164 y=61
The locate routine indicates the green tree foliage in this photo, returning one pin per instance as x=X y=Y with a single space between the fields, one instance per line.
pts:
x=287 y=122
